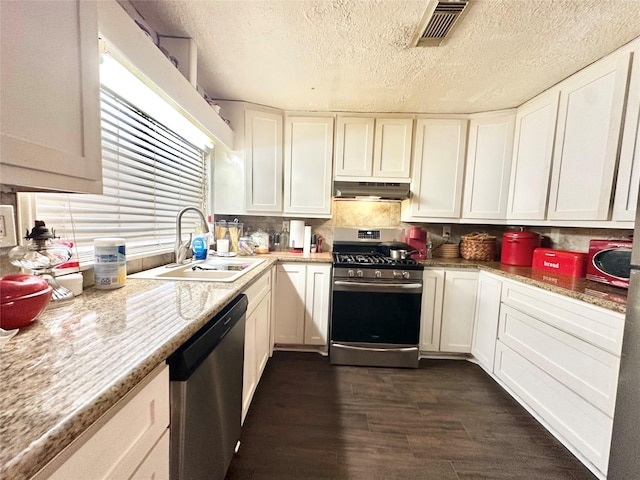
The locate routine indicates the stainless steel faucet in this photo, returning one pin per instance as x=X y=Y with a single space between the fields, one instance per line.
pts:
x=182 y=248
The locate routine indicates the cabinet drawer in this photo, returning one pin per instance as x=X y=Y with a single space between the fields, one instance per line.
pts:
x=577 y=423
x=119 y=442
x=588 y=371
x=596 y=325
x=258 y=290
x=156 y=465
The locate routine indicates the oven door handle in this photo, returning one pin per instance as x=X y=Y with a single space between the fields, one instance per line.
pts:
x=373 y=349
x=378 y=286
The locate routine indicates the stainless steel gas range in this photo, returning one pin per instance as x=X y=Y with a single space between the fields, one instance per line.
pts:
x=376 y=300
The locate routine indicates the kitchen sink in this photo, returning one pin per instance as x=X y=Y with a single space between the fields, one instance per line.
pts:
x=210 y=270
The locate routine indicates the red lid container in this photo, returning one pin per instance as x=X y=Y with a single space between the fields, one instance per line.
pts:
x=518 y=246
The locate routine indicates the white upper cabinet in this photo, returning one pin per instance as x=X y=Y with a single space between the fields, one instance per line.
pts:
x=263 y=161
x=532 y=155
x=50 y=96
x=307 y=165
x=438 y=168
x=488 y=165
x=586 y=145
x=373 y=148
x=626 y=197
x=392 y=148
x=354 y=147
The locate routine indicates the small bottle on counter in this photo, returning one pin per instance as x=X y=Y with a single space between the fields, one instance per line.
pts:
x=284 y=239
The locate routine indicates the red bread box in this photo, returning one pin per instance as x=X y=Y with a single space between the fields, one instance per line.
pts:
x=563 y=262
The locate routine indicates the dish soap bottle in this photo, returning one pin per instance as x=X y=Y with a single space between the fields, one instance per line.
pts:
x=199 y=246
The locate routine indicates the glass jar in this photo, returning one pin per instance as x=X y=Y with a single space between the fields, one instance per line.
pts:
x=245 y=246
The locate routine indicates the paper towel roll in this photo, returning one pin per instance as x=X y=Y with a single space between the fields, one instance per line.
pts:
x=296 y=234
x=306 y=250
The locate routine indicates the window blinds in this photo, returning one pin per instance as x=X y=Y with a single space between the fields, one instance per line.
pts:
x=149 y=174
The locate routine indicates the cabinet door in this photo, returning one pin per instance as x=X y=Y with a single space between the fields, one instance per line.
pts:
x=354 y=147
x=249 y=375
x=263 y=329
x=589 y=123
x=487 y=314
x=532 y=152
x=458 y=309
x=263 y=161
x=488 y=166
x=50 y=96
x=438 y=168
x=120 y=443
x=289 y=304
x=431 y=311
x=392 y=148
x=307 y=165
x=628 y=182
x=318 y=290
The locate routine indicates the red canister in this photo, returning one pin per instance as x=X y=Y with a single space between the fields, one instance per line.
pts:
x=518 y=246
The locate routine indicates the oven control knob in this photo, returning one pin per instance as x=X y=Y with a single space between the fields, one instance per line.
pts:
x=359 y=273
x=350 y=273
x=406 y=275
x=397 y=274
x=378 y=274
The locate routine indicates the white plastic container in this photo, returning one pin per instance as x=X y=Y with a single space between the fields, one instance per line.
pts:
x=71 y=281
x=110 y=263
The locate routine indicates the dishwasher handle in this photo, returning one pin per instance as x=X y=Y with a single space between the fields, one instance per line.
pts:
x=188 y=357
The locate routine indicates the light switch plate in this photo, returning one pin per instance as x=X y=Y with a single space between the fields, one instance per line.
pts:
x=7 y=226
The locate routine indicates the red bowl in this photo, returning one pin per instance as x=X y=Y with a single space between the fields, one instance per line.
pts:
x=23 y=297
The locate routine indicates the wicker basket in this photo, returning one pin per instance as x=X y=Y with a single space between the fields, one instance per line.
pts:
x=478 y=246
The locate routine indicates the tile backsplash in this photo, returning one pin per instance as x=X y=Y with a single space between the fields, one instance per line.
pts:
x=380 y=214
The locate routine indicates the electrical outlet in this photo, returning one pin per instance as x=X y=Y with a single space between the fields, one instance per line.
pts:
x=7 y=226
x=446 y=231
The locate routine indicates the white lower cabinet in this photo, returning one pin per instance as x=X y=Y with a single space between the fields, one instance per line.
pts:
x=131 y=441
x=487 y=313
x=431 y=311
x=448 y=305
x=257 y=338
x=458 y=307
x=302 y=304
x=560 y=357
x=580 y=424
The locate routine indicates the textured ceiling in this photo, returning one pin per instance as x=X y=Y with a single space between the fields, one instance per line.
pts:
x=353 y=55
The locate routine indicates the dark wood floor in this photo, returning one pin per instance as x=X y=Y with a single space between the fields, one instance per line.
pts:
x=446 y=420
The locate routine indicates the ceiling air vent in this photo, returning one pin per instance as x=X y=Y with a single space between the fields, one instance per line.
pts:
x=436 y=23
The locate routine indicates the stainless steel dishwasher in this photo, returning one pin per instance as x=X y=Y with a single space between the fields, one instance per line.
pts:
x=206 y=396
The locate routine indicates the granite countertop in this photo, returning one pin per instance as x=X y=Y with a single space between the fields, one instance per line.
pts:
x=64 y=371
x=594 y=293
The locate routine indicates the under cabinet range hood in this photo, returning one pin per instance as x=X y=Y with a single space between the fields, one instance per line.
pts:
x=371 y=190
